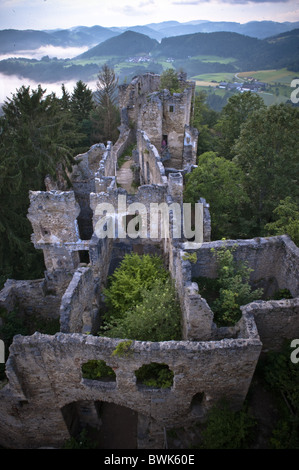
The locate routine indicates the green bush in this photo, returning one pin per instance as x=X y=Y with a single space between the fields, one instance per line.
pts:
x=156 y=318
x=129 y=281
x=282 y=378
x=155 y=375
x=97 y=370
x=234 y=287
x=226 y=429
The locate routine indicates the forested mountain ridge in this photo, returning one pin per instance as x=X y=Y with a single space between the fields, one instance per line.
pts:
x=126 y=44
x=190 y=52
x=13 y=40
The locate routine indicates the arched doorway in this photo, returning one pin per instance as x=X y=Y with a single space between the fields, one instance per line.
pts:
x=108 y=426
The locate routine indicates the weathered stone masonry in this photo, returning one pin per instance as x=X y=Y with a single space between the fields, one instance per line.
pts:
x=46 y=394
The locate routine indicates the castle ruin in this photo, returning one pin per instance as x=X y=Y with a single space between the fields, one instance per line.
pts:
x=46 y=398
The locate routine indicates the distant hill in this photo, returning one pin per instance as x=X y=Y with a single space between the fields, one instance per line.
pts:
x=151 y=33
x=126 y=44
x=12 y=40
x=250 y=53
x=256 y=29
x=221 y=44
x=82 y=36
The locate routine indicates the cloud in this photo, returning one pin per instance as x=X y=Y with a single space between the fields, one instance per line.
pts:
x=232 y=2
x=146 y=3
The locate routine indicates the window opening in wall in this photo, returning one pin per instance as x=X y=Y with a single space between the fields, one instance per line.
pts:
x=84 y=256
x=98 y=370
x=154 y=375
x=148 y=179
x=196 y=406
x=137 y=223
x=171 y=108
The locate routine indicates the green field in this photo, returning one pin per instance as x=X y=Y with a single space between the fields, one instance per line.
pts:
x=214 y=58
x=279 y=76
x=215 y=77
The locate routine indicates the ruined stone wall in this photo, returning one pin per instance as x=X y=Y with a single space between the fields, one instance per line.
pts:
x=276 y=320
x=77 y=312
x=151 y=167
x=190 y=147
x=82 y=178
x=176 y=115
x=30 y=298
x=273 y=260
x=132 y=97
x=49 y=377
x=150 y=119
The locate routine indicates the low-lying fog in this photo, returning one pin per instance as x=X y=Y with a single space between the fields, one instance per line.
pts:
x=10 y=83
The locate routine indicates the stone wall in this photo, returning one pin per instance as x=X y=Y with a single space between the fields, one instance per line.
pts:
x=274 y=262
x=49 y=377
x=276 y=320
x=78 y=305
x=151 y=167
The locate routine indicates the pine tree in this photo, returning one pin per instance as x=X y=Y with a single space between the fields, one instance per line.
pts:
x=81 y=105
x=106 y=116
x=35 y=134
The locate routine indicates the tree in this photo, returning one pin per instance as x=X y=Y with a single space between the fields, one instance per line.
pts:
x=234 y=288
x=106 y=117
x=237 y=110
x=156 y=317
x=204 y=119
x=221 y=183
x=141 y=301
x=34 y=143
x=128 y=282
x=81 y=106
x=170 y=81
x=267 y=152
x=286 y=221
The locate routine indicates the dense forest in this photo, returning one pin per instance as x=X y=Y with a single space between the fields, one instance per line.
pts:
x=247 y=169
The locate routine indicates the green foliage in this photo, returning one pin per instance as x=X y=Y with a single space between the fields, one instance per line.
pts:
x=204 y=119
x=34 y=142
x=226 y=429
x=237 y=110
x=128 y=282
x=105 y=117
x=81 y=105
x=142 y=301
x=192 y=257
x=220 y=182
x=170 y=81
x=268 y=154
x=97 y=370
x=155 y=375
x=287 y=220
x=123 y=349
x=282 y=378
x=81 y=442
x=156 y=317
x=234 y=287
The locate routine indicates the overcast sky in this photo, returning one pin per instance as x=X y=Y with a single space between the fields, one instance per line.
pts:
x=51 y=14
